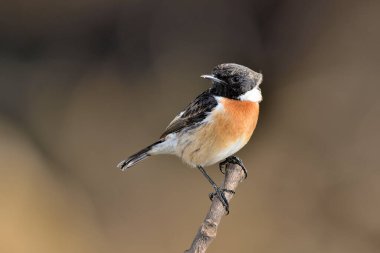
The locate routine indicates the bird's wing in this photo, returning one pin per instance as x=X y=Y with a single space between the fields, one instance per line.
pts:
x=194 y=113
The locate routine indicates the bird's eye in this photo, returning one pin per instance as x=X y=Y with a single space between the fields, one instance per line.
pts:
x=235 y=79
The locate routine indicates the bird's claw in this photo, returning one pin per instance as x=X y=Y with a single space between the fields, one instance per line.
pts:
x=233 y=160
x=219 y=193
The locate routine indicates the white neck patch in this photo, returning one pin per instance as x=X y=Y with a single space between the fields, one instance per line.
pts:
x=253 y=95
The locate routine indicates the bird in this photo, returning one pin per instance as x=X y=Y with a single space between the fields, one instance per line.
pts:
x=214 y=126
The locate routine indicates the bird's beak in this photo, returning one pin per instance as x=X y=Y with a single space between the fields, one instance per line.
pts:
x=213 y=78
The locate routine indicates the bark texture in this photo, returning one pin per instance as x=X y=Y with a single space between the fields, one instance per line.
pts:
x=208 y=229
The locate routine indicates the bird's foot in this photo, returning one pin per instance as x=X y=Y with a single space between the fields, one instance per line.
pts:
x=219 y=193
x=233 y=160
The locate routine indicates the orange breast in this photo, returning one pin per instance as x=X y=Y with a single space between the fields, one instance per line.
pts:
x=230 y=129
x=238 y=120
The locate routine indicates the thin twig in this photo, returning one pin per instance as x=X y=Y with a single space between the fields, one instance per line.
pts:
x=207 y=231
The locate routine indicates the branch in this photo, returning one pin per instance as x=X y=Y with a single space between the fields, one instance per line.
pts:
x=207 y=231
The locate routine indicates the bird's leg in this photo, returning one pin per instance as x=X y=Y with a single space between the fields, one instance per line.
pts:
x=218 y=191
x=233 y=160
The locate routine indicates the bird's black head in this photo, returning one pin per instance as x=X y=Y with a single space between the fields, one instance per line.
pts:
x=235 y=81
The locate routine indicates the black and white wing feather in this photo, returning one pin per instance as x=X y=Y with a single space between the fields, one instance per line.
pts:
x=194 y=113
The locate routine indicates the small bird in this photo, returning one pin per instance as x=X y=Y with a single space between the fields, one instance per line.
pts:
x=212 y=128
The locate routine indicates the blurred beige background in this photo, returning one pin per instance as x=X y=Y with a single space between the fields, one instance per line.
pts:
x=86 y=83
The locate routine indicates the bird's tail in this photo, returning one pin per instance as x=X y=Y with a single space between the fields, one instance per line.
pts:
x=135 y=158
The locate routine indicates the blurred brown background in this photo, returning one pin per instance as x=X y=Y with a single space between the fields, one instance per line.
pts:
x=86 y=83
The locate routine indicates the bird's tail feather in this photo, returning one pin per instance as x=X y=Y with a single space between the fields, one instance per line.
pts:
x=135 y=158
